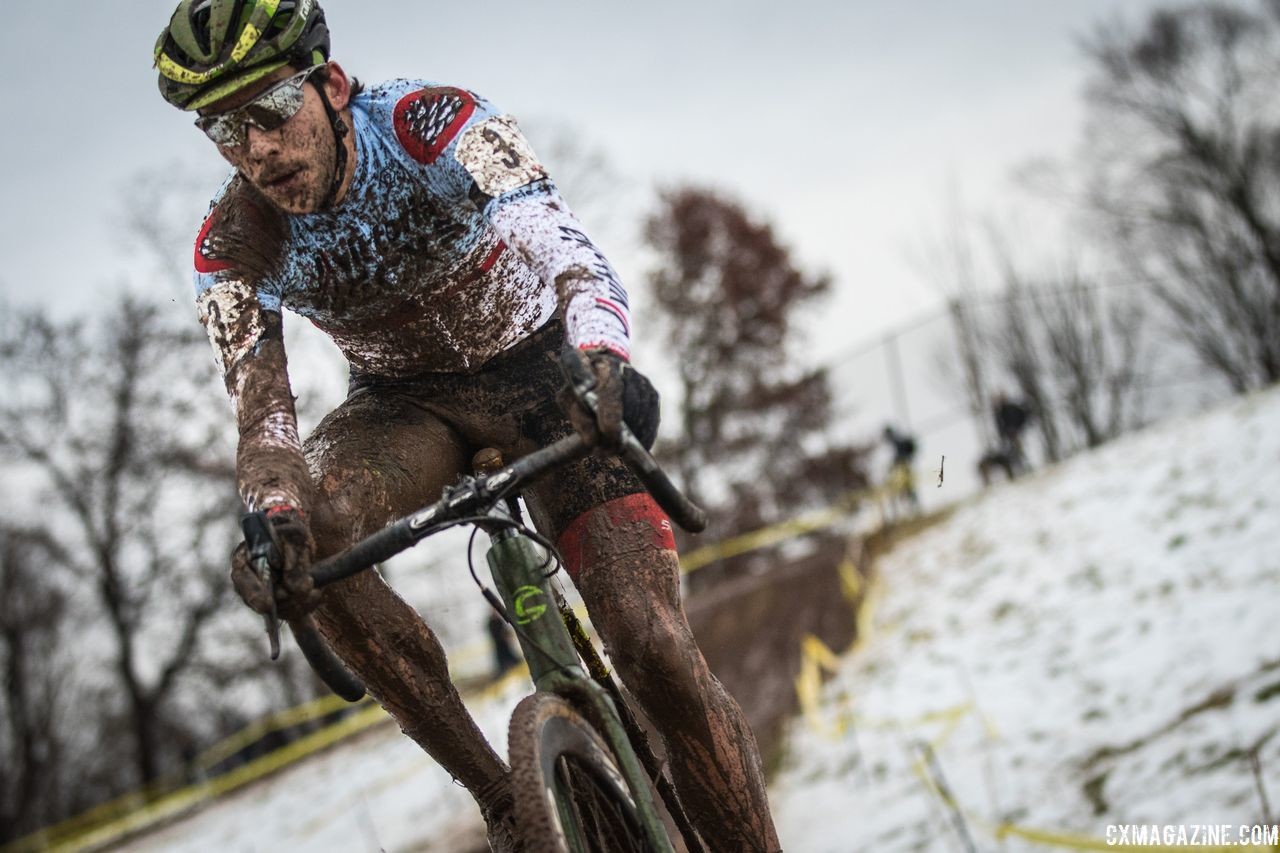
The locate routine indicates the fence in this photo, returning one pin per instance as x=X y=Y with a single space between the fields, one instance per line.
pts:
x=914 y=377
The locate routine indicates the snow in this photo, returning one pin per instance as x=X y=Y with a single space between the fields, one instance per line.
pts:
x=1092 y=645
x=378 y=791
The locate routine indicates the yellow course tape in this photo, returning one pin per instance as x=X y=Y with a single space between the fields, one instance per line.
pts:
x=138 y=809
x=817 y=658
x=774 y=534
x=1050 y=838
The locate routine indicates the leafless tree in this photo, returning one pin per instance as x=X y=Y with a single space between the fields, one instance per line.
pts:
x=127 y=462
x=1094 y=343
x=32 y=604
x=1184 y=150
x=115 y=427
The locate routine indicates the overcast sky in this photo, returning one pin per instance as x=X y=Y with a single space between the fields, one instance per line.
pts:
x=845 y=123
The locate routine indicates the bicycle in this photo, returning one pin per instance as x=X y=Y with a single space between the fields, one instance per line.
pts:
x=582 y=771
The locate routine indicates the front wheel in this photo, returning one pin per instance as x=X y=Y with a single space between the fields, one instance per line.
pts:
x=570 y=796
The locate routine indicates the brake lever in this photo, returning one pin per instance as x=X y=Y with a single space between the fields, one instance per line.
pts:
x=683 y=511
x=264 y=557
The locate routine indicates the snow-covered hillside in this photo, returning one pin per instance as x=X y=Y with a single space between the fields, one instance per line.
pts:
x=1095 y=645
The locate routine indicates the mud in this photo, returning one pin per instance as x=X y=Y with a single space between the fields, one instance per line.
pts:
x=245 y=233
x=269 y=465
x=632 y=591
x=305 y=145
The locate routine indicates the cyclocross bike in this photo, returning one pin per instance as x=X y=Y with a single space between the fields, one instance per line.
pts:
x=582 y=771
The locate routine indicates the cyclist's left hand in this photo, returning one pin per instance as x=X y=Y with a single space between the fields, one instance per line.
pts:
x=622 y=394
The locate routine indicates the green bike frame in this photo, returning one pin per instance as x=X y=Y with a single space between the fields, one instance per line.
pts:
x=519 y=571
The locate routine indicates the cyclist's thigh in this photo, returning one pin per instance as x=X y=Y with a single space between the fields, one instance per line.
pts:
x=377 y=456
x=563 y=497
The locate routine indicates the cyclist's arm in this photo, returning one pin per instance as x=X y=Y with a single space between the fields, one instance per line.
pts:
x=245 y=328
x=535 y=221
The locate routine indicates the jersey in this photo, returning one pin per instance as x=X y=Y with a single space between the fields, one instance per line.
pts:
x=451 y=245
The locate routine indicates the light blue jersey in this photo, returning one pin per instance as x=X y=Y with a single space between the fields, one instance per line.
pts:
x=449 y=246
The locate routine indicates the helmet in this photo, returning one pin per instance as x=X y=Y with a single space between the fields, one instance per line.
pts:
x=212 y=48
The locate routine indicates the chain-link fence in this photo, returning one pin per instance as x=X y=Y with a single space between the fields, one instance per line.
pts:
x=926 y=381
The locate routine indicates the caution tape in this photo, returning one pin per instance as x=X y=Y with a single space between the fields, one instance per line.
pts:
x=1051 y=838
x=145 y=807
x=775 y=534
x=160 y=800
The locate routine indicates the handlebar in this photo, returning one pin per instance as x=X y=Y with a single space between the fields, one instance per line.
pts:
x=264 y=555
x=473 y=496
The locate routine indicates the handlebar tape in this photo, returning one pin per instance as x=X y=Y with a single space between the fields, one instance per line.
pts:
x=325 y=663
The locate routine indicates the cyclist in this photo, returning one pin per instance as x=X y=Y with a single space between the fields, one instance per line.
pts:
x=413 y=224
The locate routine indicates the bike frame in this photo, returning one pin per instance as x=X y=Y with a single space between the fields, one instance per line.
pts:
x=519 y=571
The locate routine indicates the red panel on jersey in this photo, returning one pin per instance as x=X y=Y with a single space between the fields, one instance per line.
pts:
x=427 y=121
x=493 y=256
x=205 y=264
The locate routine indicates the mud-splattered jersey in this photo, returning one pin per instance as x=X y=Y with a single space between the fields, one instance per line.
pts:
x=450 y=245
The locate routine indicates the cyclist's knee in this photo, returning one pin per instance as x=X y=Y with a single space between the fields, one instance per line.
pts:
x=373 y=459
x=656 y=653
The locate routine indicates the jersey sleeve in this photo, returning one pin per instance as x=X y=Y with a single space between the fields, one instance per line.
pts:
x=244 y=325
x=483 y=156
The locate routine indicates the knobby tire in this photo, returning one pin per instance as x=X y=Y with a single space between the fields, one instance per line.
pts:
x=566 y=782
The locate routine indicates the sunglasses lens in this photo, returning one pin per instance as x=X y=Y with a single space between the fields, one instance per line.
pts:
x=226 y=130
x=268 y=111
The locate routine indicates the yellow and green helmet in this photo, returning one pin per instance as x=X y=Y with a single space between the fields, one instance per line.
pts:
x=212 y=48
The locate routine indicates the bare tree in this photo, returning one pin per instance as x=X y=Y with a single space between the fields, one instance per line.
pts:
x=127 y=461
x=1185 y=160
x=1074 y=351
x=32 y=605
x=1094 y=346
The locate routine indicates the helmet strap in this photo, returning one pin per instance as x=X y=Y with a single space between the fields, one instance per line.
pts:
x=340 y=131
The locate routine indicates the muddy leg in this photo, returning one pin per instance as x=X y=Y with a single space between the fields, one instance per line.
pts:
x=632 y=590
x=374 y=459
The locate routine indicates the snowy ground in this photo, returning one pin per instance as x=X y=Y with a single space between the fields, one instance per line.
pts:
x=1094 y=645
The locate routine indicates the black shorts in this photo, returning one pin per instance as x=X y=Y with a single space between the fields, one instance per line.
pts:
x=510 y=404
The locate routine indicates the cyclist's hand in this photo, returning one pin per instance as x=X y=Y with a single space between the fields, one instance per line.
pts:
x=622 y=393
x=296 y=595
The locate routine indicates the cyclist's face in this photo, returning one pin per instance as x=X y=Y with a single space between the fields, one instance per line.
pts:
x=293 y=164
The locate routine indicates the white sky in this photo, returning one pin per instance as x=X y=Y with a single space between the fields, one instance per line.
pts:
x=844 y=123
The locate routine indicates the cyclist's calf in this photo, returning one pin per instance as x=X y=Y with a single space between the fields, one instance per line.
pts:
x=631 y=583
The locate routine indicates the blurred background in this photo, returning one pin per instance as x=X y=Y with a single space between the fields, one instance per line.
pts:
x=882 y=256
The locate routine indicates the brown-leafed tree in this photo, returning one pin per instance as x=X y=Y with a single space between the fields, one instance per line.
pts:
x=754 y=442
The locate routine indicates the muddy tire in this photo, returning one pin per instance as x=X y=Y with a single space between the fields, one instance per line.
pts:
x=570 y=796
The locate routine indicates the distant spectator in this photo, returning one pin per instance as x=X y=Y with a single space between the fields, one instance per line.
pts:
x=504 y=656
x=901 y=482
x=993 y=460
x=1011 y=419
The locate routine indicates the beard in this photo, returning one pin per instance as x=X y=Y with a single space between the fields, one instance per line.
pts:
x=296 y=179
x=295 y=189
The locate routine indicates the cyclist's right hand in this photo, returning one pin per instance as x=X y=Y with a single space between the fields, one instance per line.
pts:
x=296 y=594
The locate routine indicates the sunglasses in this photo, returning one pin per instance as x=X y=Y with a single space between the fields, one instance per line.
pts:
x=268 y=111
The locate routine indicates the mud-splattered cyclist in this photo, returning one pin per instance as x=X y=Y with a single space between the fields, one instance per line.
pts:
x=412 y=223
